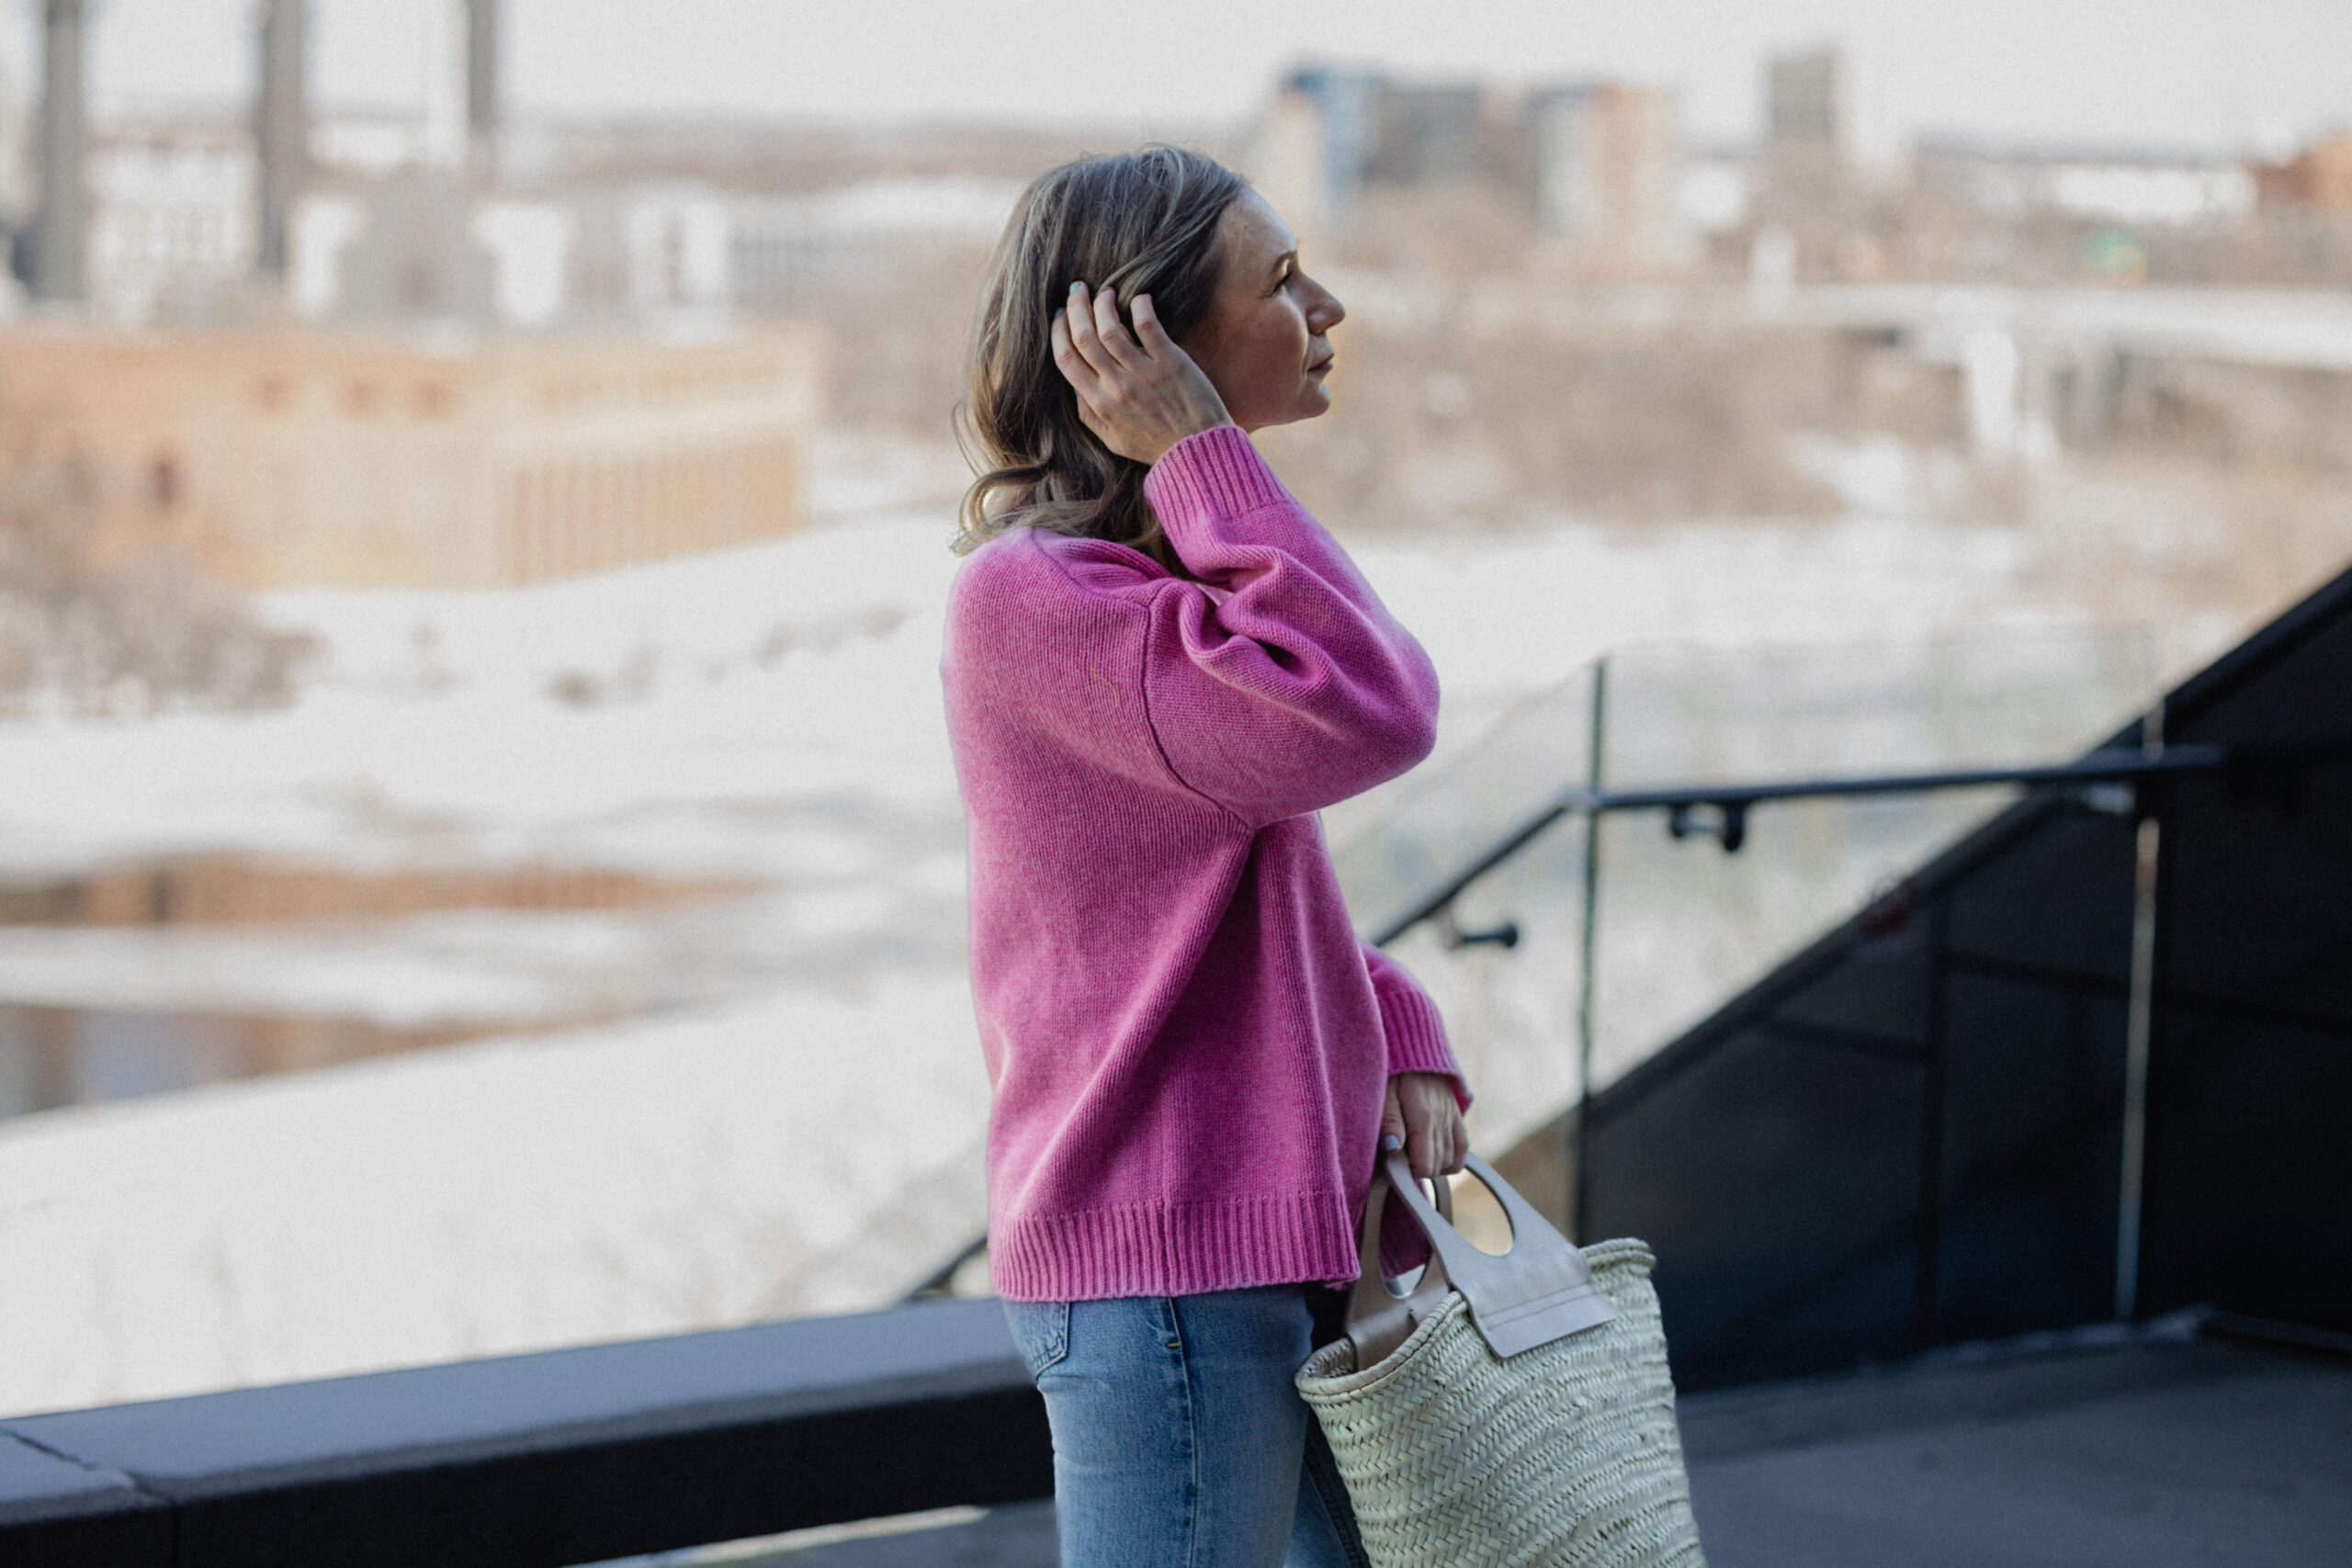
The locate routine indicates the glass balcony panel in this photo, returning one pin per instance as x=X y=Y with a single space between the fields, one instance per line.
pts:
x=1679 y=924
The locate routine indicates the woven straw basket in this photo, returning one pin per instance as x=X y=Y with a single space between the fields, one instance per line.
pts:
x=1565 y=1455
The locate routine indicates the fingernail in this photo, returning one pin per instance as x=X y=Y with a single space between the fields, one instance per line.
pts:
x=1391 y=1142
x=1076 y=286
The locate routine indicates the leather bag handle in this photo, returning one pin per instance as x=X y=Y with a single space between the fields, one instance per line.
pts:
x=1378 y=1318
x=1540 y=1290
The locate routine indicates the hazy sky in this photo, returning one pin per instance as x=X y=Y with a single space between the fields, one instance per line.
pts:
x=2235 y=73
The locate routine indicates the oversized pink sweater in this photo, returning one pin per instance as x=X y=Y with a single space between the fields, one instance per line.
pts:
x=1188 y=1044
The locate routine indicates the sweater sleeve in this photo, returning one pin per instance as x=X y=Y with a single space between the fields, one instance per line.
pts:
x=1409 y=1020
x=1278 y=684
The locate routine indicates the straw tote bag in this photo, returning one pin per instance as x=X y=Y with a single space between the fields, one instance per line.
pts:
x=1513 y=1410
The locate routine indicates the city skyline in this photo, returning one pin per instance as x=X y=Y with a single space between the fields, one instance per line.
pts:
x=2253 y=79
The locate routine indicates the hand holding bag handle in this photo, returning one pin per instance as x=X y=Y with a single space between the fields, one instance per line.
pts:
x=1540 y=1290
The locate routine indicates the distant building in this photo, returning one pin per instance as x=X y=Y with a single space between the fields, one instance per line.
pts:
x=275 y=459
x=425 y=443
x=2319 y=178
x=411 y=254
x=1317 y=148
x=650 y=255
x=1806 y=134
x=171 y=233
x=1335 y=132
x=2153 y=186
x=1597 y=164
x=1805 y=100
x=1427 y=135
x=670 y=257
x=444 y=218
x=785 y=255
x=1608 y=167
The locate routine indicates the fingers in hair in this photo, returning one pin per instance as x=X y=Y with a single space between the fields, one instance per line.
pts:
x=1110 y=332
x=1080 y=320
x=1150 y=334
x=1067 y=359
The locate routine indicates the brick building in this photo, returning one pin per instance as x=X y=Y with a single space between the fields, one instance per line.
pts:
x=291 y=457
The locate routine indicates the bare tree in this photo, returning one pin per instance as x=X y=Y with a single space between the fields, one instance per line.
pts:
x=138 y=634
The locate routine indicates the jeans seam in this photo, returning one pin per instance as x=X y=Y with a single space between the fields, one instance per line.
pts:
x=1192 y=1435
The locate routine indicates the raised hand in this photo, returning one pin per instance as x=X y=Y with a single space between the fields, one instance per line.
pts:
x=1138 y=391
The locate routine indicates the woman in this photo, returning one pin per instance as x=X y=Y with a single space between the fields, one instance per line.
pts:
x=1159 y=666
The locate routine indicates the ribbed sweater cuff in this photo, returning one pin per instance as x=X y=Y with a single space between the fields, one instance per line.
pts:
x=1172 y=1249
x=1214 y=474
x=1417 y=1037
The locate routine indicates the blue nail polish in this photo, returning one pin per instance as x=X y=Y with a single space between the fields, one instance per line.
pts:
x=1076 y=287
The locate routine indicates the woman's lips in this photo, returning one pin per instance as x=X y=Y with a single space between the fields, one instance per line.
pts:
x=1322 y=364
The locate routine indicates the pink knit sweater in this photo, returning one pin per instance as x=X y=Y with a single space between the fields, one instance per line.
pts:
x=1188 y=1044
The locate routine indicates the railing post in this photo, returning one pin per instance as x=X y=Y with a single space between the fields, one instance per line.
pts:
x=2139 y=1022
x=1586 y=961
x=1927 y=1327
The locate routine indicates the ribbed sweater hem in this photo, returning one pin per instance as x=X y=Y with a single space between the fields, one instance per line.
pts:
x=1214 y=474
x=1173 y=1250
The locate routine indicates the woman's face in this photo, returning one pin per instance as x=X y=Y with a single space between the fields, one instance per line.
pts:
x=1262 y=343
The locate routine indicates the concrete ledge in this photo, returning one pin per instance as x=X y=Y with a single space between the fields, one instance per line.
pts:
x=549 y=1460
x=61 y=1514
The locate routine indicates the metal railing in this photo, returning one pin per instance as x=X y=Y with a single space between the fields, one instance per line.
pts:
x=1721 y=811
x=1730 y=804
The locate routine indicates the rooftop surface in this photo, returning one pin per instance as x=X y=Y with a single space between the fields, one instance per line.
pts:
x=2152 y=1453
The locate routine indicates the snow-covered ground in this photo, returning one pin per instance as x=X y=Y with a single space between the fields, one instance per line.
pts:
x=793 y=1123
x=797 y=1153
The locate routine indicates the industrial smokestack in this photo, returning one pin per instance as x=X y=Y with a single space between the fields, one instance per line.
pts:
x=281 y=127
x=62 y=229
x=481 y=79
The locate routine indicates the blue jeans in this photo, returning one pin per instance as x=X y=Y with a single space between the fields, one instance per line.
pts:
x=1179 y=1442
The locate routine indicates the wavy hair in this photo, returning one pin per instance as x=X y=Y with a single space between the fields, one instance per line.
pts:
x=1141 y=222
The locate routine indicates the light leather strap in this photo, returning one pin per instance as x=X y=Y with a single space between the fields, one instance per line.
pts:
x=1540 y=1290
x=1378 y=1319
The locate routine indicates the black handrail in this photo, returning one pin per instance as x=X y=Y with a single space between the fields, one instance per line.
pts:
x=1731 y=803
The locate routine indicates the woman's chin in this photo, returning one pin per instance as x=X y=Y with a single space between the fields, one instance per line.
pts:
x=1313 y=401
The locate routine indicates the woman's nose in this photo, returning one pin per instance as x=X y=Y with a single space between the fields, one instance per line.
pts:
x=1326 y=312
